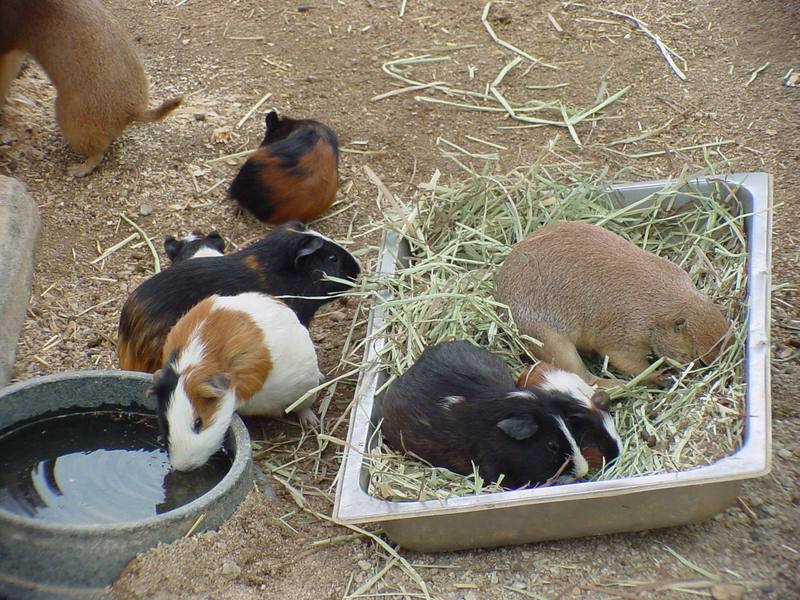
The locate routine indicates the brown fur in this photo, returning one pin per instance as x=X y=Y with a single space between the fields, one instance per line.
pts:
x=304 y=192
x=233 y=346
x=577 y=287
x=92 y=61
x=142 y=353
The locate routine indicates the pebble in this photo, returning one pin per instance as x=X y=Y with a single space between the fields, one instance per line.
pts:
x=727 y=591
x=145 y=209
x=231 y=569
x=365 y=565
x=200 y=116
x=337 y=315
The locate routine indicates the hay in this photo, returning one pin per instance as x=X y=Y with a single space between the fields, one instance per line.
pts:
x=460 y=234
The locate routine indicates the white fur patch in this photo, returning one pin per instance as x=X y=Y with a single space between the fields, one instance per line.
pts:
x=557 y=380
x=579 y=465
x=192 y=353
x=522 y=395
x=190 y=238
x=189 y=449
x=205 y=251
x=451 y=401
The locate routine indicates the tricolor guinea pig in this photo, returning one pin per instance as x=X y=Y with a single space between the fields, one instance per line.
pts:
x=195 y=245
x=594 y=428
x=290 y=262
x=293 y=174
x=458 y=405
x=247 y=353
x=578 y=287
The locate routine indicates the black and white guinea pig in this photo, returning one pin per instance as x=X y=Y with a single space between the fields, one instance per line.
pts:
x=294 y=173
x=195 y=245
x=247 y=353
x=593 y=429
x=458 y=405
x=290 y=262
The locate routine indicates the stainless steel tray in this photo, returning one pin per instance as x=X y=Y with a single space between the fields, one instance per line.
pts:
x=583 y=508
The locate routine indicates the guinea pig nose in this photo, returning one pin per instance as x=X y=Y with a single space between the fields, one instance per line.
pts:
x=601 y=399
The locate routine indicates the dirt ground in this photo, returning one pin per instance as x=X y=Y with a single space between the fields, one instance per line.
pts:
x=323 y=58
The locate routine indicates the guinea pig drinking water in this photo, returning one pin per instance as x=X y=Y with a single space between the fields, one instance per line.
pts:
x=195 y=245
x=247 y=353
x=293 y=174
x=290 y=261
x=578 y=287
x=458 y=405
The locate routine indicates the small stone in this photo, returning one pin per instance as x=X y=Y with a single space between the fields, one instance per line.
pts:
x=365 y=565
x=337 y=315
x=727 y=591
x=304 y=7
x=145 y=209
x=199 y=116
x=785 y=454
x=94 y=342
x=231 y=569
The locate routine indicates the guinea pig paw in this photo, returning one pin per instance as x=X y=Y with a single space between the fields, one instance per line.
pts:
x=307 y=418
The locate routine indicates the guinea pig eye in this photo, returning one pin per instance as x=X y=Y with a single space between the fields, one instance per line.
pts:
x=333 y=258
x=552 y=446
x=198 y=423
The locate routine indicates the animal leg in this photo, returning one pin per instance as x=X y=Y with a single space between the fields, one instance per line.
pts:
x=86 y=167
x=559 y=351
x=9 y=68
x=307 y=417
x=632 y=362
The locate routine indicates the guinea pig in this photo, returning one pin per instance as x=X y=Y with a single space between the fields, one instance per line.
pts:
x=458 y=405
x=593 y=429
x=195 y=245
x=247 y=353
x=93 y=63
x=290 y=261
x=293 y=174
x=578 y=287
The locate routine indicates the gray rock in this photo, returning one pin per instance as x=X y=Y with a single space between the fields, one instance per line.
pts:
x=19 y=231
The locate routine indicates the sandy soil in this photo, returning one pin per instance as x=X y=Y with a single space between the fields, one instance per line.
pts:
x=323 y=58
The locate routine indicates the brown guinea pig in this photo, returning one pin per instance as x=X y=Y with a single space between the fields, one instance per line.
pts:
x=293 y=174
x=577 y=287
x=92 y=61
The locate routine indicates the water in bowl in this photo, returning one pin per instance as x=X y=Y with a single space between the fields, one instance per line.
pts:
x=94 y=468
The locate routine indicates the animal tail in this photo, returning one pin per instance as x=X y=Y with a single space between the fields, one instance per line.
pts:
x=156 y=114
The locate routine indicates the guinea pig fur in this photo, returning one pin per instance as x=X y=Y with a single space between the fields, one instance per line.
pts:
x=247 y=353
x=293 y=174
x=578 y=287
x=290 y=261
x=593 y=428
x=93 y=63
x=458 y=405
x=195 y=245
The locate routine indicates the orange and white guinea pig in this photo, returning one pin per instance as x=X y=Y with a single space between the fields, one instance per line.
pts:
x=248 y=354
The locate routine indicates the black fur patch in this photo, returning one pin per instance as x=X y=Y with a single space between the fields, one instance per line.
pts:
x=249 y=190
x=164 y=383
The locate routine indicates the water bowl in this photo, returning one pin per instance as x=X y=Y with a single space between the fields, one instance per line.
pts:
x=85 y=485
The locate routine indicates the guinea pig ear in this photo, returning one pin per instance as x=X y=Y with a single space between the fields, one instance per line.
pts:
x=219 y=382
x=679 y=324
x=519 y=427
x=601 y=399
x=216 y=241
x=309 y=245
x=171 y=247
x=272 y=119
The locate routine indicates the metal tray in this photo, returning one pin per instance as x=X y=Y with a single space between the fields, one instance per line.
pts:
x=581 y=508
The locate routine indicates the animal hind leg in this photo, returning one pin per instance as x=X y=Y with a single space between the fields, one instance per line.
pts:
x=10 y=63
x=85 y=133
x=632 y=361
x=86 y=167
